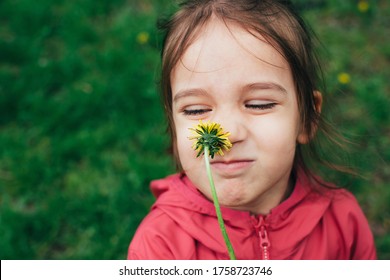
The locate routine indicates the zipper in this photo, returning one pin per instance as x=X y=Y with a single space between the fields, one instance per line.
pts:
x=264 y=242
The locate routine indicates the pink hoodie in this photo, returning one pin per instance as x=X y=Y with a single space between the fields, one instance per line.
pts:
x=308 y=225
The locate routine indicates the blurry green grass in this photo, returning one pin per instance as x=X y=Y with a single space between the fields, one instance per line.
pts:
x=82 y=130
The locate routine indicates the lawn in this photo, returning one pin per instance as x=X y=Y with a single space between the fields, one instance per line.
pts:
x=82 y=129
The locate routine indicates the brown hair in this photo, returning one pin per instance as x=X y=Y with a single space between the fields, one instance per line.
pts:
x=275 y=20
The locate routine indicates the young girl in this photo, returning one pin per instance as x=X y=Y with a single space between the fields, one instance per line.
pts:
x=249 y=66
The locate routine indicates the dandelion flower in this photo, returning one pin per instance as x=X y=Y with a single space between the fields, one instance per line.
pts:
x=210 y=139
x=363 y=6
x=143 y=38
x=212 y=135
x=344 y=78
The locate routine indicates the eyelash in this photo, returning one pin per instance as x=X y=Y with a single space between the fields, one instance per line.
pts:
x=261 y=106
x=196 y=112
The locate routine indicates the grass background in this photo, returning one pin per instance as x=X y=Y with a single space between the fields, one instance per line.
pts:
x=82 y=130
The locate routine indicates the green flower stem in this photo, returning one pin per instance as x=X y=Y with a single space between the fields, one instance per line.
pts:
x=216 y=205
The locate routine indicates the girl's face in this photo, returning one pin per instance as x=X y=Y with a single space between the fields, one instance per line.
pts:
x=231 y=77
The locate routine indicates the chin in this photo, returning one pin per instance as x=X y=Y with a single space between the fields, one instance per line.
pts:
x=231 y=197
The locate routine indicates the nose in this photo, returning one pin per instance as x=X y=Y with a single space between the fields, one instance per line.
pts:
x=232 y=122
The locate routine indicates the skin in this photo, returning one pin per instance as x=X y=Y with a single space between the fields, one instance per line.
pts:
x=229 y=76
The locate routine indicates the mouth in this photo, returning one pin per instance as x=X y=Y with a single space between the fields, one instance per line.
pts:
x=232 y=166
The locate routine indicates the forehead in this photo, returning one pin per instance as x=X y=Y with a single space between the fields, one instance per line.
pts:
x=216 y=36
x=223 y=47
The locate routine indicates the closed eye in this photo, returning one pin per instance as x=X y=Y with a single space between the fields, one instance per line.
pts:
x=195 y=112
x=260 y=106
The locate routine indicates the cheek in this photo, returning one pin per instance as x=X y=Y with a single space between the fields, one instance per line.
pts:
x=181 y=143
x=183 y=148
x=186 y=154
x=279 y=135
x=193 y=166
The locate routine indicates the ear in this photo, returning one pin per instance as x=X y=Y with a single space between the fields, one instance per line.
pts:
x=303 y=137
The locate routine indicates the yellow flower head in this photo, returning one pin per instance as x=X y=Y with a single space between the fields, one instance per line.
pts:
x=344 y=78
x=363 y=6
x=212 y=135
x=142 y=38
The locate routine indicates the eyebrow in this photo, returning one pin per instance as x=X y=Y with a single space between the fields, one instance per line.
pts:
x=265 y=86
x=253 y=86
x=189 y=92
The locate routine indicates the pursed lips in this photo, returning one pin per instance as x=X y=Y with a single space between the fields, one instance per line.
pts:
x=231 y=165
